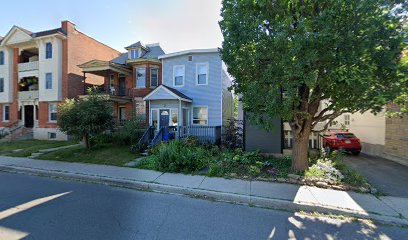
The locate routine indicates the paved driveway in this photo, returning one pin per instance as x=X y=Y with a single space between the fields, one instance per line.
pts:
x=388 y=177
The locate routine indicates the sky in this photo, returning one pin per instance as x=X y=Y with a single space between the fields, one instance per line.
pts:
x=176 y=24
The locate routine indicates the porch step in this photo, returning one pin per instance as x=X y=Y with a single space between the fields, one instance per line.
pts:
x=19 y=134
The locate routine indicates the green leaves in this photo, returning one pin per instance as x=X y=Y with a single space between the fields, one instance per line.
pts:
x=343 y=52
x=86 y=116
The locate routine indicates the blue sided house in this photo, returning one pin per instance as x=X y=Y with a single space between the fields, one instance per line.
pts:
x=193 y=99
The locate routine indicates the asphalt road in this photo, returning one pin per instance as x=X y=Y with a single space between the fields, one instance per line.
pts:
x=388 y=177
x=34 y=207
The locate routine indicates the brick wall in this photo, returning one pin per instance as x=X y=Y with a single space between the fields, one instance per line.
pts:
x=43 y=115
x=396 y=137
x=79 y=48
x=14 y=116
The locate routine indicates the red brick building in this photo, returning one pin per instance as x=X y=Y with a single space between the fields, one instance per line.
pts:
x=128 y=78
x=38 y=70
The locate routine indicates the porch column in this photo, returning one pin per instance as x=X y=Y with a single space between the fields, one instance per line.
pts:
x=179 y=120
x=23 y=113
x=35 y=114
x=107 y=87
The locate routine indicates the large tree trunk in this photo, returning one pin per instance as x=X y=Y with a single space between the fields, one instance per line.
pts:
x=300 y=149
x=86 y=141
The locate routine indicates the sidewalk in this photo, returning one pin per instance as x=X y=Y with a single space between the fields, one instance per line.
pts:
x=274 y=195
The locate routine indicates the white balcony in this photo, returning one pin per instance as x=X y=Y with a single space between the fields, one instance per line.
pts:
x=28 y=66
x=28 y=95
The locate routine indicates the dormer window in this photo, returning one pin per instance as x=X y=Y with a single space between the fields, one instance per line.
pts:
x=134 y=53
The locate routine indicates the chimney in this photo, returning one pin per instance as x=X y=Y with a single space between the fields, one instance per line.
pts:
x=68 y=26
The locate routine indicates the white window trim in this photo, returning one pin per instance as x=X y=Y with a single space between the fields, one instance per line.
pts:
x=174 y=75
x=49 y=113
x=188 y=115
x=150 y=73
x=192 y=115
x=52 y=51
x=4 y=85
x=52 y=80
x=347 y=119
x=145 y=68
x=206 y=76
x=4 y=113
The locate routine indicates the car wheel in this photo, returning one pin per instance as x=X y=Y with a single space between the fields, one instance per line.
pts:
x=356 y=153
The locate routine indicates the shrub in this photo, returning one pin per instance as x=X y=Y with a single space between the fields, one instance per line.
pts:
x=238 y=162
x=178 y=156
x=233 y=134
x=278 y=167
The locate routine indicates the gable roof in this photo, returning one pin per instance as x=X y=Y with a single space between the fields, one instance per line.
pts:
x=49 y=32
x=33 y=34
x=175 y=93
x=135 y=45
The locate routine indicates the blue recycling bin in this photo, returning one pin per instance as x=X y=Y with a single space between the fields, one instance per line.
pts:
x=166 y=136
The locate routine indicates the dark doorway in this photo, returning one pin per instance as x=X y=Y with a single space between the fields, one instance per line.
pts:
x=122 y=86
x=29 y=116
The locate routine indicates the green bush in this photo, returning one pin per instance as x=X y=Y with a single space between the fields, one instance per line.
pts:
x=237 y=162
x=179 y=156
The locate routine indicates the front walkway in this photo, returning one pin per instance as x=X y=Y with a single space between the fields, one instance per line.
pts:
x=388 y=177
x=265 y=194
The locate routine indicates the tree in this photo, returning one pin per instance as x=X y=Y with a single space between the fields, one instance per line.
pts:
x=400 y=106
x=309 y=61
x=85 y=117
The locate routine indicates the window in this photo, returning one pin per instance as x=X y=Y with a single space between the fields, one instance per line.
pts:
x=134 y=53
x=52 y=135
x=190 y=58
x=155 y=118
x=178 y=75
x=6 y=113
x=202 y=73
x=111 y=81
x=154 y=77
x=140 y=77
x=1 y=58
x=48 y=81
x=347 y=120
x=1 y=84
x=140 y=106
x=174 y=117
x=52 y=112
x=200 y=115
x=48 y=50
x=122 y=115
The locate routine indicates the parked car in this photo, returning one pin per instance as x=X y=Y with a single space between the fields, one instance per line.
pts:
x=341 y=140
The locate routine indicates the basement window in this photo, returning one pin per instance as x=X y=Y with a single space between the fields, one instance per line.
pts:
x=52 y=135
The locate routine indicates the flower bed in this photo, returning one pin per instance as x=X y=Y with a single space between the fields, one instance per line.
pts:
x=187 y=156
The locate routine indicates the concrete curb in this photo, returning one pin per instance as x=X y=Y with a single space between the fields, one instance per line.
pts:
x=272 y=203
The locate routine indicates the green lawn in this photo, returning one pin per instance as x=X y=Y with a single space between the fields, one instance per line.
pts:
x=108 y=154
x=29 y=146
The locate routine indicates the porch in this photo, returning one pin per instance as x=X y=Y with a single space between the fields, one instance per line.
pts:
x=113 y=81
x=107 y=78
x=172 y=116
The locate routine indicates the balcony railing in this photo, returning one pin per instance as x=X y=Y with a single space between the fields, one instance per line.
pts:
x=118 y=91
x=28 y=66
x=27 y=95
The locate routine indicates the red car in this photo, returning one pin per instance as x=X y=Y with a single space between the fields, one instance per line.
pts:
x=346 y=141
